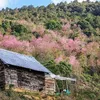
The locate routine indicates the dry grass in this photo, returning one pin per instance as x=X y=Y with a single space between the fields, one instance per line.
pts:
x=12 y=95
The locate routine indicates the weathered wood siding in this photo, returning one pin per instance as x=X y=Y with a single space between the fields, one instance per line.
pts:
x=2 y=76
x=24 y=78
x=31 y=80
x=11 y=77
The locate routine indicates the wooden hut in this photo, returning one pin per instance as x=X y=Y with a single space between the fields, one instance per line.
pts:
x=23 y=72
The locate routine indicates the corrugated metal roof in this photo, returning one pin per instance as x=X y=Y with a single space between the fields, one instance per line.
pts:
x=16 y=59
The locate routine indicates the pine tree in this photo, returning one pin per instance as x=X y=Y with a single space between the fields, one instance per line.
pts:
x=88 y=1
x=75 y=0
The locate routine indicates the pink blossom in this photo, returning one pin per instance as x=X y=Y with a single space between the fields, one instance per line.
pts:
x=73 y=61
x=10 y=42
x=60 y=58
x=66 y=27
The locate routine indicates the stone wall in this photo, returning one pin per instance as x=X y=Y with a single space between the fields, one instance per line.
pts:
x=24 y=78
x=49 y=84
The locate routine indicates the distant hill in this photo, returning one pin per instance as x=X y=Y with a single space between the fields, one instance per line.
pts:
x=63 y=37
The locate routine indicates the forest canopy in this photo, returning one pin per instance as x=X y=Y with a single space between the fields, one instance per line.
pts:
x=64 y=37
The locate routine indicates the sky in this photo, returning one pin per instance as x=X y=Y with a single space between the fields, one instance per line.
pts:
x=20 y=3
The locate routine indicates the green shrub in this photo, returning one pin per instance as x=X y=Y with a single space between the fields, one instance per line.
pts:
x=52 y=24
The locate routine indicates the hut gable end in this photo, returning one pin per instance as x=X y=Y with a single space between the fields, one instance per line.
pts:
x=23 y=73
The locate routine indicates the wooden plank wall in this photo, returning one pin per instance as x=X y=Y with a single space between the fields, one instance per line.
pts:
x=2 y=76
x=24 y=78
x=31 y=80
x=11 y=77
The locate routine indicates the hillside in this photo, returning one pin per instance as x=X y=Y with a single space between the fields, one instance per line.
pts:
x=63 y=37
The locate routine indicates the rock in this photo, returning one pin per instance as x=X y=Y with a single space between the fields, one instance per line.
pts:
x=27 y=96
x=50 y=98
x=35 y=98
x=43 y=96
